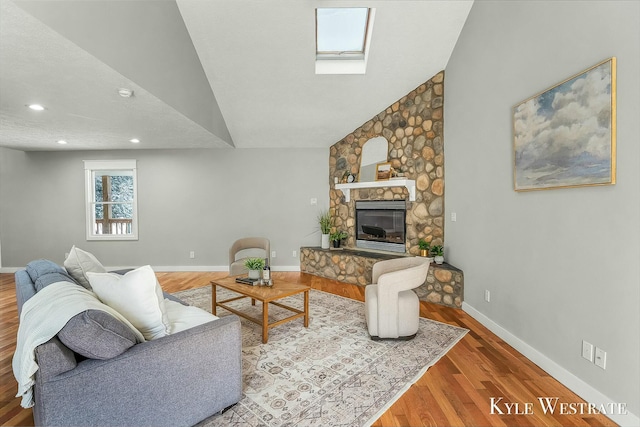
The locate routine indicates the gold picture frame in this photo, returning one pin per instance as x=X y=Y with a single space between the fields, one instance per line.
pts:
x=565 y=136
x=383 y=171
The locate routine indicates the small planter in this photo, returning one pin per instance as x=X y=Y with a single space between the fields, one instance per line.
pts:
x=254 y=274
x=325 y=241
x=424 y=253
x=336 y=244
x=438 y=254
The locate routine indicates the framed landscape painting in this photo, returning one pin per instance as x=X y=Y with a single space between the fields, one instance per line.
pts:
x=566 y=136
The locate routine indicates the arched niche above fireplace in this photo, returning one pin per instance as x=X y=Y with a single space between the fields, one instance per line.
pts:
x=374 y=151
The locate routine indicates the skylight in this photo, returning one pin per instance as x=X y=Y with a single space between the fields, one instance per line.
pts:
x=343 y=38
x=341 y=33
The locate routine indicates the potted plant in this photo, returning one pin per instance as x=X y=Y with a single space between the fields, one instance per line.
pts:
x=255 y=266
x=424 y=247
x=438 y=252
x=337 y=237
x=324 y=219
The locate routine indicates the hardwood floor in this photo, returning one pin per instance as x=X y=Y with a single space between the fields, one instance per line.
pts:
x=456 y=391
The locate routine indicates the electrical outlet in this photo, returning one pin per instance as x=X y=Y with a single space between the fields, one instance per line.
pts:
x=487 y=295
x=314 y=201
x=601 y=358
x=587 y=351
x=295 y=254
x=454 y=217
x=273 y=254
x=192 y=254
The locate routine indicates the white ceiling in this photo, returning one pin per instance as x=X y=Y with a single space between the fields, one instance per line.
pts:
x=258 y=58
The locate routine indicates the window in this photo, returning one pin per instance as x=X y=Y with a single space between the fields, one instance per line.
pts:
x=342 y=39
x=111 y=199
x=341 y=32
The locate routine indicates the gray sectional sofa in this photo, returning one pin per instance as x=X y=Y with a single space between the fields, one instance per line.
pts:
x=176 y=380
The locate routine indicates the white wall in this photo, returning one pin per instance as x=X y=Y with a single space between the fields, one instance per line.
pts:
x=562 y=265
x=189 y=200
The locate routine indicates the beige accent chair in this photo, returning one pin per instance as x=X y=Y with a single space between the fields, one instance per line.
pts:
x=392 y=309
x=236 y=265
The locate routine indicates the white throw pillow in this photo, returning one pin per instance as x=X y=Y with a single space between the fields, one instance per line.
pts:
x=135 y=296
x=79 y=263
x=182 y=317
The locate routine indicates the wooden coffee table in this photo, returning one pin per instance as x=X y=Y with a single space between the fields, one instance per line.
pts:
x=265 y=294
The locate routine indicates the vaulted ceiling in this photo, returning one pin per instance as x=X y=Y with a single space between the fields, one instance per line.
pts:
x=204 y=74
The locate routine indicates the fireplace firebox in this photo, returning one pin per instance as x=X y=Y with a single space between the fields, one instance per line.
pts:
x=381 y=224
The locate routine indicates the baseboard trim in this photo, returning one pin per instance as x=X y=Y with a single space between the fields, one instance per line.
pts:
x=217 y=268
x=169 y=268
x=575 y=384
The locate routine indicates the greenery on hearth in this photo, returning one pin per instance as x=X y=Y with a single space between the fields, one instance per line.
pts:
x=424 y=245
x=325 y=221
x=437 y=250
x=338 y=235
x=254 y=263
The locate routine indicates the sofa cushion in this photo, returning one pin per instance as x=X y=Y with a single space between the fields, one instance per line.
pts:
x=41 y=267
x=79 y=263
x=97 y=335
x=136 y=296
x=49 y=278
x=182 y=317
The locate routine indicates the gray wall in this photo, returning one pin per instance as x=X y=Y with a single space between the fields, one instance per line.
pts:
x=189 y=200
x=561 y=265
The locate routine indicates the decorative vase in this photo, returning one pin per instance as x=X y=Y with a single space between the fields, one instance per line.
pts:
x=325 y=241
x=439 y=259
x=254 y=274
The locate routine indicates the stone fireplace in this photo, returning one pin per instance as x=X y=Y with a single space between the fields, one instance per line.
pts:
x=413 y=128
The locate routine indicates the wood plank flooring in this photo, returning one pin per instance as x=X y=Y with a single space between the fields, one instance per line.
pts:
x=456 y=391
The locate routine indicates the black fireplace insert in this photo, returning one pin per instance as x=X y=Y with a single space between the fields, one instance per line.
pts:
x=381 y=224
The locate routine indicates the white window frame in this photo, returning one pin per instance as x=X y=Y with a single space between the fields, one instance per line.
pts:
x=349 y=63
x=90 y=168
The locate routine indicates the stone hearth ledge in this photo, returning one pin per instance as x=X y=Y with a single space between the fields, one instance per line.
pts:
x=444 y=284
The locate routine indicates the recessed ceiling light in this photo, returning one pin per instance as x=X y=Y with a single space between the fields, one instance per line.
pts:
x=62 y=142
x=36 y=107
x=134 y=140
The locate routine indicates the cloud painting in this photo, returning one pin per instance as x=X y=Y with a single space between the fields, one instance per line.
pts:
x=564 y=136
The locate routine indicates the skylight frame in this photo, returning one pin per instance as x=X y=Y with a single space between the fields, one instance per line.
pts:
x=346 y=54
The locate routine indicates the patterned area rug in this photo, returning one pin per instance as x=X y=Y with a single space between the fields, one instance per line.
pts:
x=329 y=374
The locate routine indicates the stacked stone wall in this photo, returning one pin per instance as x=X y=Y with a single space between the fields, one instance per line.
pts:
x=444 y=284
x=413 y=126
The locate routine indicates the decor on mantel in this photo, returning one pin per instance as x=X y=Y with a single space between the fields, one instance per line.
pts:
x=324 y=219
x=566 y=135
x=413 y=128
x=383 y=171
x=374 y=151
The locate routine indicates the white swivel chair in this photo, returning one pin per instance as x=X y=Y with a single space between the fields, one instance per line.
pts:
x=236 y=265
x=392 y=309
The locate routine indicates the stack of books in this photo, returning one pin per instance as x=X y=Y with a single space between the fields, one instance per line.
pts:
x=247 y=281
